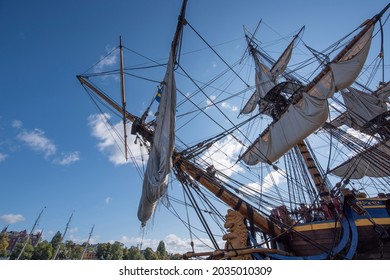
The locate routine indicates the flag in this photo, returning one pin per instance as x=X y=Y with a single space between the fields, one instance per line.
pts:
x=158 y=94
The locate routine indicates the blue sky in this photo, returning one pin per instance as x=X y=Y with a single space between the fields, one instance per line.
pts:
x=54 y=152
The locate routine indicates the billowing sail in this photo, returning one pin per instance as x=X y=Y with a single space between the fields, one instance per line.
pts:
x=373 y=162
x=303 y=118
x=160 y=159
x=300 y=121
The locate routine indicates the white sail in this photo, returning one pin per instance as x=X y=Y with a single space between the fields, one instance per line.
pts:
x=302 y=119
x=361 y=108
x=160 y=159
x=266 y=79
x=348 y=68
x=281 y=64
x=251 y=104
x=373 y=162
x=299 y=122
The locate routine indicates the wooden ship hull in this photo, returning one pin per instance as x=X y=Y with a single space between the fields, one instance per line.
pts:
x=365 y=236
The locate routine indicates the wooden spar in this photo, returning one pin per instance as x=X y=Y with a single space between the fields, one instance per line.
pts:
x=228 y=197
x=195 y=172
x=190 y=168
x=219 y=254
x=368 y=25
x=29 y=235
x=62 y=237
x=144 y=131
x=179 y=28
x=87 y=243
x=123 y=94
x=318 y=180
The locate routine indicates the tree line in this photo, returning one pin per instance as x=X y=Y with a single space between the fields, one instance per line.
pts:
x=68 y=250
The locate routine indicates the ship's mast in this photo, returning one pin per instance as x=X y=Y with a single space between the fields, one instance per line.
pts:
x=62 y=238
x=122 y=73
x=194 y=171
x=319 y=181
x=190 y=168
x=314 y=172
x=31 y=232
x=86 y=245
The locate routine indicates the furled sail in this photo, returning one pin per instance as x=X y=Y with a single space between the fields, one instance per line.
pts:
x=383 y=92
x=266 y=78
x=361 y=108
x=311 y=111
x=160 y=159
x=372 y=162
x=264 y=83
x=281 y=64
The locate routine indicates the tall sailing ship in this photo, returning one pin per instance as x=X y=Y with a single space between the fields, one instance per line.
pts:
x=301 y=171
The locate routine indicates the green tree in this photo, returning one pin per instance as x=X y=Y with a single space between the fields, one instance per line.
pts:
x=56 y=240
x=71 y=251
x=103 y=251
x=176 y=256
x=3 y=244
x=149 y=254
x=27 y=253
x=116 y=251
x=132 y=253
x=43 y=251
x=76 y=252
x=161 y=251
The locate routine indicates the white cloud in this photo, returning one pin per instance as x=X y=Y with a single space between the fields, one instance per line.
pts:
x=37 y=141
x=360 y=135
x=210 y=100
x=226 y=105
x=110 y=140
x=17 y=124
x=273 y=178
x=137 y=241
x=176 y=244
x=2 y=157
x=73 y=230
x=11 y=218
x=173 y=243
x=108 y=200
x=223 y=155
x=68 y=159
x=107 y=61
